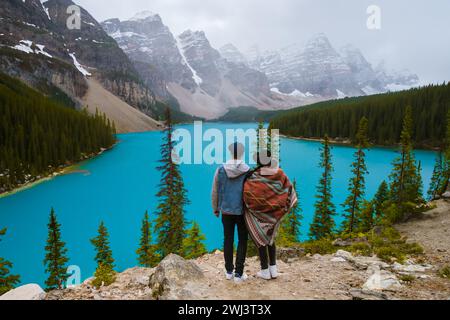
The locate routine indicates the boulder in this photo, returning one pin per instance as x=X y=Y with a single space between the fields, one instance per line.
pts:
x=26 y=292
x=360 y=262
x=446 y=195
x=341 y=243
x=172 y=278
x=382 y=280
x=410 y=268
x=344 y=254
x=361 y=294
x=338 y=259
x=289 y=254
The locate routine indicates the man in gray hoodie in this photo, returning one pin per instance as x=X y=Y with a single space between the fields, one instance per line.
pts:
x=227 y=199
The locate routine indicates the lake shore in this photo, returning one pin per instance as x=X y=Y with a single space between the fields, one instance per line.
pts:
x=348 y=142
x=62 y=170
x=345 y=142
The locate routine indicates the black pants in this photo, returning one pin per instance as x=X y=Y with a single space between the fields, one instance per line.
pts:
x=265 y=260
x=229 y=224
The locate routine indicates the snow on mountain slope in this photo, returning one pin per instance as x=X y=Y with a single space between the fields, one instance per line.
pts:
x=188 y=69
x=319 y=69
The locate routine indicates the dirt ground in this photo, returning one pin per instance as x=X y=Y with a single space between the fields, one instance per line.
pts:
x=324 y=277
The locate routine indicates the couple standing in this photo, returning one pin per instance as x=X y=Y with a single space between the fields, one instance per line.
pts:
x=255 y=201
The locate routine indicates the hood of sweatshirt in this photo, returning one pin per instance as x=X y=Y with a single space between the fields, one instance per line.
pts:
x=235 y=168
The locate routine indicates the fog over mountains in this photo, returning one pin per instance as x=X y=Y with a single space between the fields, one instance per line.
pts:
x=206 y=82
x=141 y=62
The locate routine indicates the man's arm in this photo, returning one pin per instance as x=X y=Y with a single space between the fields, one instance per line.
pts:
x=214 y=194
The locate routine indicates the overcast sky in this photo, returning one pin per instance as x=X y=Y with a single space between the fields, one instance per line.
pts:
x=414 y=34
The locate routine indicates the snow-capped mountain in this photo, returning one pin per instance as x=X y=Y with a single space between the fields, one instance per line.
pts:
x=232 y=54
x=187 y=68
x=318 y=69
x=154 y=51
x=89 y=50
x=76 y=65
x=394 y=80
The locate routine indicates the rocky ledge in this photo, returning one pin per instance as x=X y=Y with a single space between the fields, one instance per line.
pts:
x=339 y=276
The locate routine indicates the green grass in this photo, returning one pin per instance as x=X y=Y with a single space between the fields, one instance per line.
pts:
x=445 y=272
x=323 y=246
x=407 y=278
x=388 y=245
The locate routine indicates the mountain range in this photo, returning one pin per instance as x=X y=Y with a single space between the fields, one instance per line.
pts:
x=133 y=69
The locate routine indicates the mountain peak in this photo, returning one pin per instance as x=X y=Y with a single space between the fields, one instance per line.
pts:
x=232 y=54
x=319 y=40
x=144 y=15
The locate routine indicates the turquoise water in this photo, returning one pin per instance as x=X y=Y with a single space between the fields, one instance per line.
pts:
x=120 y=185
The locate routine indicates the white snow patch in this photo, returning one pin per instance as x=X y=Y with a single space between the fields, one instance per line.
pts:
x=25 y=46
x=143 y=16
x=368 y=90
x=80 y=68
x=30 y=24
x=295 y=93
x=118 y=34
x=397 y=87
x=40 y=50
x=340 y=94
x=89 y=23
x=45 y=9
x=195 y=76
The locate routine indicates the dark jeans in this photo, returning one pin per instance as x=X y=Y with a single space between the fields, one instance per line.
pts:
x=272 y=258
x=229 y=224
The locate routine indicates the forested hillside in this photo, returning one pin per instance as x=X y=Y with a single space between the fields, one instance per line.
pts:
x=247 y=114
x=38 y=134
x=339 y=118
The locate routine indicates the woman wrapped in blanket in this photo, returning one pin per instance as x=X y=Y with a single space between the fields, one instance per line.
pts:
x=268 y=197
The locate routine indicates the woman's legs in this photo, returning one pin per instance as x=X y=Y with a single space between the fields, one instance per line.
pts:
x=263 y=258
x=268 y=255
x=272 y=254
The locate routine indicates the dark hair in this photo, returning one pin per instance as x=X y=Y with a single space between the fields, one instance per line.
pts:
x=237 y=150
x=264 y=158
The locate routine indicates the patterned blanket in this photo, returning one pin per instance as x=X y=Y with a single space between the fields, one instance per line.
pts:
x=268 y=197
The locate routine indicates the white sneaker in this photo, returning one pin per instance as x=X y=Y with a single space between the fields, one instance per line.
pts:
x=264 y=274
x=240 y=279
x=273 y=272
x=229 y=276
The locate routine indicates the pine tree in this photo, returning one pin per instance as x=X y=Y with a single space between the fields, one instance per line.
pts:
x=338 y=118
x=380 y=200
x=103 y=255
x=7 y=281
x=289 y=231
x=39 y=134
x=366 y=216
x=323 y=221
x=446 y=169
x=437 y=178
x=193 y=246
x=170 y=222
x=357 y=183
x=404 y=188
x=56 y=255
x=147 y=256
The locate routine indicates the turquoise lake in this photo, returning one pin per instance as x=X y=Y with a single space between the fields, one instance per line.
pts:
x=120 y=185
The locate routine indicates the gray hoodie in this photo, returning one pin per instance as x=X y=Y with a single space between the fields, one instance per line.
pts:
x=233 y=169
